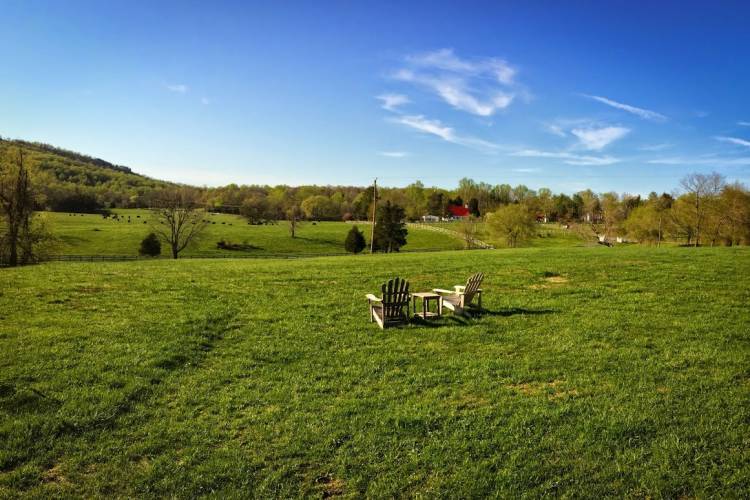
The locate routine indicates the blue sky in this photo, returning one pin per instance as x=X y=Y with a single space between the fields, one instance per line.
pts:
x=625 y=96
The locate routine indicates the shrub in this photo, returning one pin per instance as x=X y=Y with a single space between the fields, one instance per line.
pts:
x=355 y=241
x=150 y=246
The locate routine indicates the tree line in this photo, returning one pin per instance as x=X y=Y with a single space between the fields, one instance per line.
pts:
x=704 y=210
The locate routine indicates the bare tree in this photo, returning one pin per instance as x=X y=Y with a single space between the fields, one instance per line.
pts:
x=178 y=219
x=469 y=230
x=17 y=202
x=294 y=214
x=700 y=187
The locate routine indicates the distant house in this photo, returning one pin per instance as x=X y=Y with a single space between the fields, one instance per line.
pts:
x=458 y=211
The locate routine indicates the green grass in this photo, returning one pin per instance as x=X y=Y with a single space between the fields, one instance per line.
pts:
x=549 y=235
x=89 y=234
x=595 y=372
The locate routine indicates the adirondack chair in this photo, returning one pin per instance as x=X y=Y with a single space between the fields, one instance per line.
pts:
x=461 y=297
x=393 y=307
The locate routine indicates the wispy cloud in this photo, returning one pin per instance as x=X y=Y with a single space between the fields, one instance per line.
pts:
x=734 y=140
x=743 y=124
x=526 y=170
x=427 y=126
x=717 y=161
x=569 y=158
x=656 y=147
x=392 y=101
x=555 y=129
x=455 y=92
x=596 y=139
x=178 y=88
x=646 y=114
x=436 y=128
x=480 y=86
x=205 y=101
x=446 y=59
x=393 y=154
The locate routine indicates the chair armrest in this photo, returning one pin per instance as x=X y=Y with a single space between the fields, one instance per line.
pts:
x=460 y=288
x=443 y=291
x=372 y=298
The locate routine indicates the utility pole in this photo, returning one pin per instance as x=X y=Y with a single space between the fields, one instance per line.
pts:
x=374 y=204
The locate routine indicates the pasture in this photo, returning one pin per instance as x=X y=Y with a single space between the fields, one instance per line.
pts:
x=91 y=234
x=594 y=372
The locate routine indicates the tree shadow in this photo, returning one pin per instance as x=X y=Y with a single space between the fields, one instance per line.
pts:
x=319 y=240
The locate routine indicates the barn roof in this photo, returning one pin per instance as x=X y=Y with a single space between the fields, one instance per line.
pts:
x=458 y=210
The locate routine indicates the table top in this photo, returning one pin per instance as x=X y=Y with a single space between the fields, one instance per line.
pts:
x=426 y=295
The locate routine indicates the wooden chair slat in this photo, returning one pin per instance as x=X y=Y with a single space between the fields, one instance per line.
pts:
x=391 y=308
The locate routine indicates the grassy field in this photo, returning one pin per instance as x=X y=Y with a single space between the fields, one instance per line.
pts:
x=90 y=234
x=551 y=235
x=594 y=372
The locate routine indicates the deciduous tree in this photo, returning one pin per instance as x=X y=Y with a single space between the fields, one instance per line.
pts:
x=17 y=203
x=513 y=223
x=178 y=219
x=700 y=188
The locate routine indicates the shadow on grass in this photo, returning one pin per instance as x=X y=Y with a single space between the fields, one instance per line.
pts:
x=457 y=320
x=319 y=240
x=513 y=311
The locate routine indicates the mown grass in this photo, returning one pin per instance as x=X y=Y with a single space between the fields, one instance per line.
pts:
x=594 y=372
x=90 y=234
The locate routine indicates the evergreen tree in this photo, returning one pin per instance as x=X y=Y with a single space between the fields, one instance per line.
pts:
x=390 y=230
x=474 y=207
x=355 y=241
x=150 y=246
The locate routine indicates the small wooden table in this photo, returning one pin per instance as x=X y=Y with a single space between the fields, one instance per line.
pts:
x=427 y=297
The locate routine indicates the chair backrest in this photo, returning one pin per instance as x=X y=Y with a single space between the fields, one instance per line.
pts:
x=395 y=297
x=472 y=285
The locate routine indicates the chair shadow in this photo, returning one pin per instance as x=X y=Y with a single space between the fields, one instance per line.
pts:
x=443 y=322
x=460 y=320
x=513 y=311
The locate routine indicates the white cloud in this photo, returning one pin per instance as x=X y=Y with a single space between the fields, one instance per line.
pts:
x=392 y=101
x=569 y=158
x=436 y=128
x=555 y=129
x=711 y=162
x=598 y=138
x=446 y=59
x=646 y=114
x=177 y=88
x=734 y=140
x=393 y=154
x=479 y=86
x=655 y=147
x=455 y=92
x=526 y=170
x=427 y=126
x=743 y=124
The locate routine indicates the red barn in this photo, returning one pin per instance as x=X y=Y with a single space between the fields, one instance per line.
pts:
x=458 y=211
